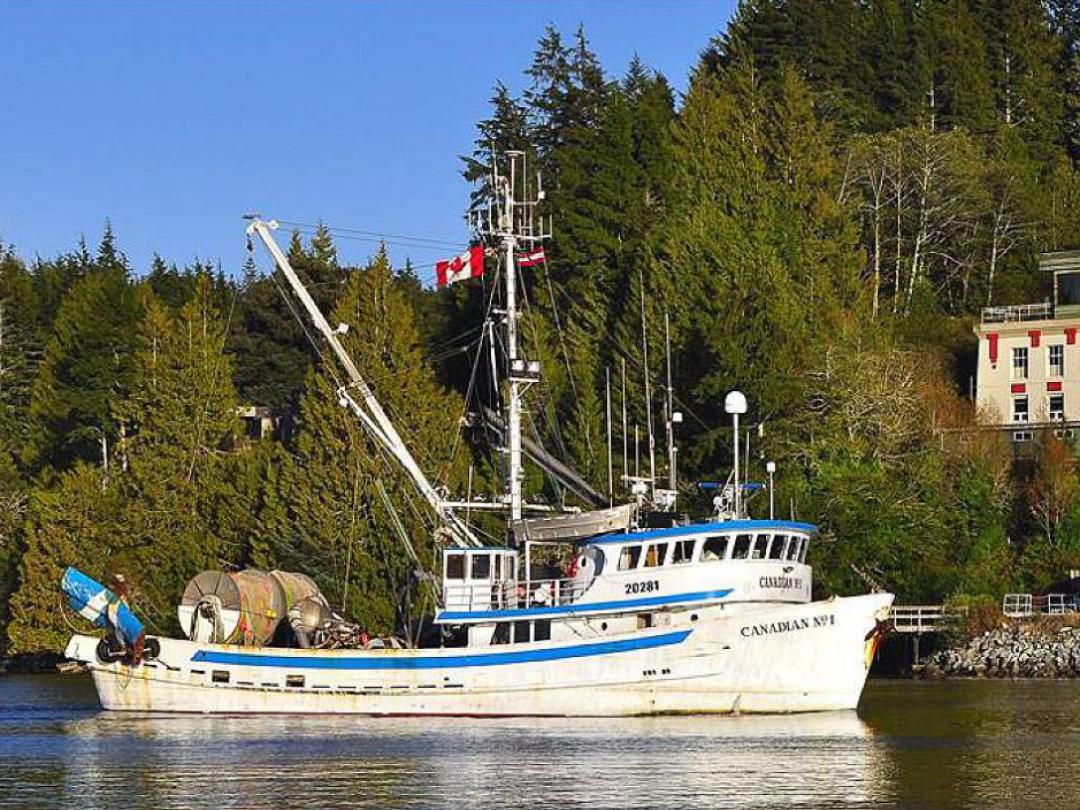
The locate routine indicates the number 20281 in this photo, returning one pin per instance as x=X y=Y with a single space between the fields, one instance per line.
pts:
x=648 y=586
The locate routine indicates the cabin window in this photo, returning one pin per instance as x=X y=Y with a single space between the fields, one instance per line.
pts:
x=776 y=550
x=793 y=547
x=501 y=634
x=542 y=630
x=742 y=547
x=802 y=550
x=498 y=567
x=455 y=566
x=521 y=632
x=715 y=548
x=481 y=566
x=761 y=546
x=683 y=552
x=655 y=555
x=628 y=558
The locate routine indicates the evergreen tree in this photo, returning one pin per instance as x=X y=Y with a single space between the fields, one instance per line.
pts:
x=327 y=514
x=179 y=423
x=271 y=351
x=1066 y=18
x=86 y=368
x=20 y=351
x=74 y=523
x=155 y=515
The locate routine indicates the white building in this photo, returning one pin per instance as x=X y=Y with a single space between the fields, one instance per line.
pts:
x=1029 y=360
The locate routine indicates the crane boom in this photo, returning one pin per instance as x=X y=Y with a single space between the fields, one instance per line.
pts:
x=369 y=411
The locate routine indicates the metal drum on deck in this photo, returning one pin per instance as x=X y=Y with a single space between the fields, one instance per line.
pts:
x=296 y=587
x=242 y=607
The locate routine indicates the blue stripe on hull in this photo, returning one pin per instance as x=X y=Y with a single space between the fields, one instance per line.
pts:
x=397 y=660
x=584 y=607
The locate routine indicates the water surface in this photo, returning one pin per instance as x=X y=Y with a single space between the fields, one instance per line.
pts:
x=933 y=745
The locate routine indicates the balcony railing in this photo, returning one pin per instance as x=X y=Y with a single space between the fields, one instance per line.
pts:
x=510 y=594
x=1019 y=313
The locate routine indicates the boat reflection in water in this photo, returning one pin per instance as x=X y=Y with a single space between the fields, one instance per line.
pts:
x=749 y=761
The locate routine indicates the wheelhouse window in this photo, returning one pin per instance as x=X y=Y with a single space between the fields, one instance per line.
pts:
x=455 y=566
x=628 y=558
x=714 y=548
x=655 y=555
x=793 y=547
x=1019 y=362
x=742 y=547
x=776 y=550
x=481 y=566
x=803 y=546
x=1020 y=411
x=683 y=552
x=761 y=546
x=1055 y=359
x=1056 y=406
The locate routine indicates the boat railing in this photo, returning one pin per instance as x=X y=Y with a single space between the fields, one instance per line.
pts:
x=512 y=594
x=553 y=592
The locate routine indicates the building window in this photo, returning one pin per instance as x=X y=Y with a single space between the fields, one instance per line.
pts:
x=1056 y=403
x=1056 y=359
x=1021 y=436
x=1020 y=363
x=1020 y=409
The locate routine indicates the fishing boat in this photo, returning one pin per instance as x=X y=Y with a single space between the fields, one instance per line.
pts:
x=654 y=613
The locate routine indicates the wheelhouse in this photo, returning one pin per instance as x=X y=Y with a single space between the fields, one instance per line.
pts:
x=480 y=578
x=707 y=543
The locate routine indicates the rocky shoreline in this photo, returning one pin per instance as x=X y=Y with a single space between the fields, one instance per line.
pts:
x=1019 y=651
x=36 y=664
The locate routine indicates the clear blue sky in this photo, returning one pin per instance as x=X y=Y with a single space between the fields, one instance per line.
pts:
x=173 y=119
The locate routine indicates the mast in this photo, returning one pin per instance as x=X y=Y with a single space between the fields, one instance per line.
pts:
x=370 y=413
x=648 y=395
x=671 y=417
x=514 y=224
x=513 y=405
x=607 y=411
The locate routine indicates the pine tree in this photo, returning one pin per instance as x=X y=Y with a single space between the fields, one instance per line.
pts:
x=20 y=351
x=87 y=366
x=1066 y=19
x=270 y=348
x=960 y=93
x=156 y=516
x=74 y=523
x=327 y=515
x=179 y=424
x=14 y=499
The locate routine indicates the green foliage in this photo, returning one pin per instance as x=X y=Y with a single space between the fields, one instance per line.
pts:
x=842 y=187
x=155 y=515
x=324 y=513
x=87 y=367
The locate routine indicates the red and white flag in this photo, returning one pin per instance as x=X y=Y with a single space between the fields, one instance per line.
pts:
x=532 y=258
x=468 y=265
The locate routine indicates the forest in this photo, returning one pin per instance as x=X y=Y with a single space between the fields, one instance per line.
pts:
x=819 y=218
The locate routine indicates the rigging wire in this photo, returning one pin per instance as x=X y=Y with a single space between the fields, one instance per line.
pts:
x=380 y=234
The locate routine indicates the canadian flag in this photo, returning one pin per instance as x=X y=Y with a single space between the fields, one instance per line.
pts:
x=532 y=258
x=468 y=265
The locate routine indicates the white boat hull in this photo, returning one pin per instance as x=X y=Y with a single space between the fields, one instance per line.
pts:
x=768 y=658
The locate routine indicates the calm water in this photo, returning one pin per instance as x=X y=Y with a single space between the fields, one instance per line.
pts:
x=940 y=745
